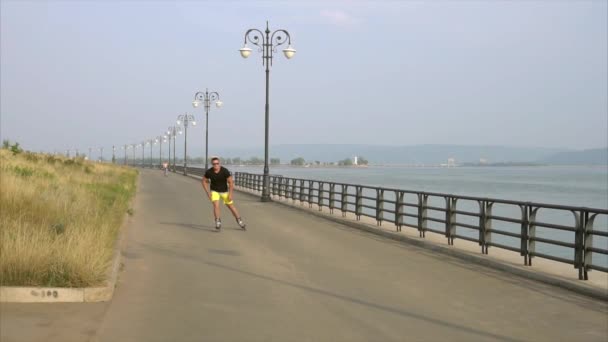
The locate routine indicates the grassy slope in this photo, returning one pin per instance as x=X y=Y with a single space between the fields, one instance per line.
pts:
x=59 y=219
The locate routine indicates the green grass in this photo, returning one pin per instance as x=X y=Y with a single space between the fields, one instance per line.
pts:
x=59 y=218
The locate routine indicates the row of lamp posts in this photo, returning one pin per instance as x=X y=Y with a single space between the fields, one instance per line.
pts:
x=267 y=43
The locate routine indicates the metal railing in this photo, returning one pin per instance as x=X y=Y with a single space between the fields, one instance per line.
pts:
x=457 y=217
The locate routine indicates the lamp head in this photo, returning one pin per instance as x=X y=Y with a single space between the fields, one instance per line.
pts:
x=245 y=51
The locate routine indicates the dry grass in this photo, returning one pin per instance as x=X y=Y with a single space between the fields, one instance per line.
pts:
x=59 y=219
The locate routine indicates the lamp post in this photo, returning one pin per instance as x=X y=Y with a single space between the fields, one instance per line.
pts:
x=143 y=151
x=185 y=119
x=168 y=134
x=151 y=143
x=113 y=154
x=173 y=132
x=125 y=149
x=205 y=98
x=267 y=42
x=101 y=154
x=160 y=140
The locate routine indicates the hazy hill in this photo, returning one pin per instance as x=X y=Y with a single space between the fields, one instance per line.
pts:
x=419 y=154
x=597 y=156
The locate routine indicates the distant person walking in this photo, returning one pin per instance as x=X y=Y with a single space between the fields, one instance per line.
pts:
x=166 y=168
x=219 y=184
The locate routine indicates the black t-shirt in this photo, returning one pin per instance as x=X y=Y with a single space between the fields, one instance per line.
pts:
x=219 y=181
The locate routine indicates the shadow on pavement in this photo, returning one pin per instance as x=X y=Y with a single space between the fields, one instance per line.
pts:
x=394 y=310
x=201 y=227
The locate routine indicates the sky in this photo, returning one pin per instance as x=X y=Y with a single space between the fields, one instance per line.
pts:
x=80 y=74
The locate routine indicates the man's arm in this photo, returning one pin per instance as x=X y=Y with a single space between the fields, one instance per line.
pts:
x=230 y=187
x=205 y=182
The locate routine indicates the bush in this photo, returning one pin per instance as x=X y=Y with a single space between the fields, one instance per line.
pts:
x=16 y=149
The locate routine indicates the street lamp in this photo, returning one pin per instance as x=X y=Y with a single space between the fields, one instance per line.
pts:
x=113 y=154
x=143 y=151
x=267 y=43
x=101 y=154
x=161 y=139
x=173 y=131
x=184 y=120
x=151 y=142
x=205 y=98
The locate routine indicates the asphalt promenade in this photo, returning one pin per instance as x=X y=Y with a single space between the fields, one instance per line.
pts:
x=295 y=277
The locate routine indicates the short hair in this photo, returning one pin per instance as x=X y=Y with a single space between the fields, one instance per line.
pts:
x=215 y=158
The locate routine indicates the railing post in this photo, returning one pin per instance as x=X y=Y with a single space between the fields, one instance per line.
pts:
x=579 y=247
x=485 y=225
x=344 y=202
x=310 y=193
x=260 y=181
x=588 y=244
x=399 y=209
x=332 y=199
x=274 y=186
x=359 y=202
x=293 y=190
x=450 y=218
x=379 y=206
x=301 y=191
x=532 y=233
x=320 y=195
x=525 y=224
x=422 y=214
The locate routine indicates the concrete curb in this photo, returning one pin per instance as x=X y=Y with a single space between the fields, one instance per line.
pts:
x=18 y=294
x=583 y=289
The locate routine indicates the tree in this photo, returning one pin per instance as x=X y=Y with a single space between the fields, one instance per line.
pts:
x=362 y=161
x=236 y=161
x=275 y=161
x=6 y=144
x=255 y=161
x=298 y=161
x=345 y=162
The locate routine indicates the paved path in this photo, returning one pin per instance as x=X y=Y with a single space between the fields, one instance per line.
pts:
x=296 y=277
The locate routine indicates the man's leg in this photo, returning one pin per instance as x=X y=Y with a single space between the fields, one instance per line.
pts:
x=232 y=208
x=236 y=215
x=215 y=198
x=216 y=209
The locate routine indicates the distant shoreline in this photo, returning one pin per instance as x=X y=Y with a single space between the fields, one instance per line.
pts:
x=497 y=165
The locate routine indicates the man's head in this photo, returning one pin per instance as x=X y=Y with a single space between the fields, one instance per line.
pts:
x=215 y=162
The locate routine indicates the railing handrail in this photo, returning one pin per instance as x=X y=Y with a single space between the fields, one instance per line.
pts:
x=465 y=197
x=324 y=194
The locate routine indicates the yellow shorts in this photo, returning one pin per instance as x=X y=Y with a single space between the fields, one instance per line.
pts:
x=215 y=196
